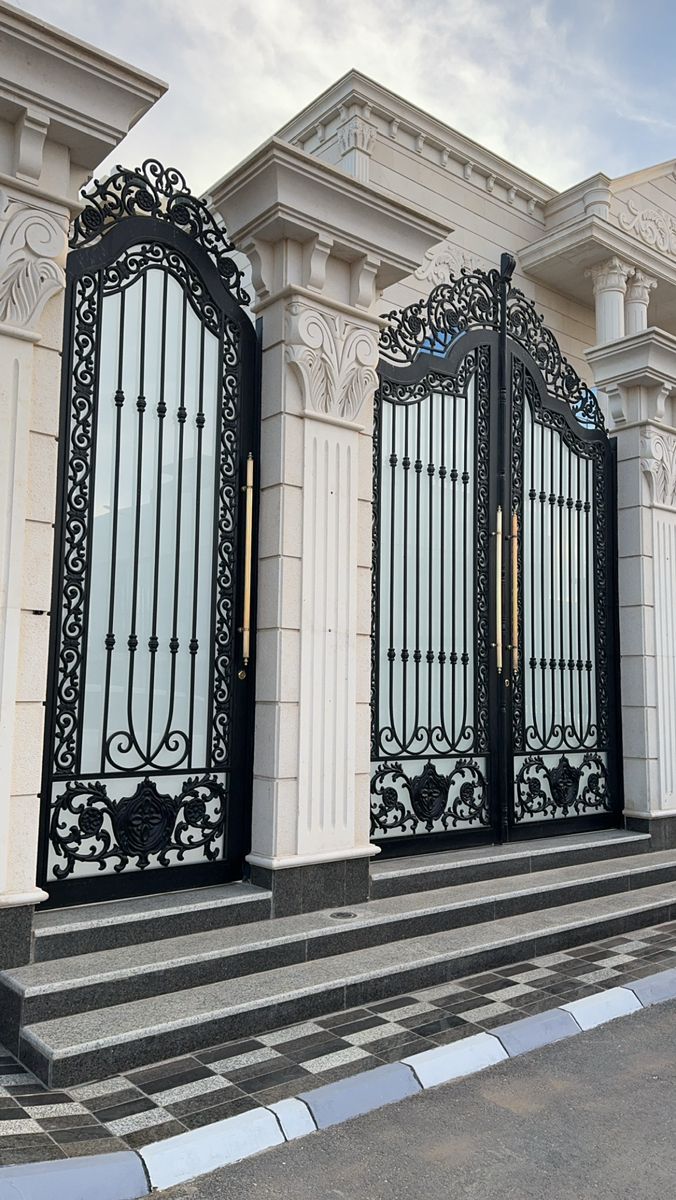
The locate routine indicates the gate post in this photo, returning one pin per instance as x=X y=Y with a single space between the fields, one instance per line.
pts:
x=87 y=104
x=322 y=247
x=638 y=374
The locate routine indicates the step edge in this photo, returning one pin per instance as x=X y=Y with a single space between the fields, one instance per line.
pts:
x=28 y=1031
x=32 y=991
x=42 y=931
x=379 y=870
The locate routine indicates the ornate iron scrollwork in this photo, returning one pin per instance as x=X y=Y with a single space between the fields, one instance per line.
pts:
x=146 y=825
x=542 y=791
x=428 y=800
x=153 y=190
x=472 y=301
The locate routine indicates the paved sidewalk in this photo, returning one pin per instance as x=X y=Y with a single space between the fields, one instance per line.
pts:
x=160 y=1101
x=590 y=1118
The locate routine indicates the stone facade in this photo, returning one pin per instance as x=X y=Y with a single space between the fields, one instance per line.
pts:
x=360 y=204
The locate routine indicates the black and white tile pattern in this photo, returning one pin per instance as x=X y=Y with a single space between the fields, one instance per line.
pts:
x=157 y=1102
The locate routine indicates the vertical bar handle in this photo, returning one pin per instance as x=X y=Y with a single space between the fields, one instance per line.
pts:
x=515 y=593
x=248 y=558
x=498 y=590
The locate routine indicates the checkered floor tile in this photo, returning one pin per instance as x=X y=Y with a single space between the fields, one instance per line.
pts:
x=171 y=1097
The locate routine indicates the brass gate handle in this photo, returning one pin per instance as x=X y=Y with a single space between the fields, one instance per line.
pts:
x=248 y=556
x=498 y=590
x=515 y=593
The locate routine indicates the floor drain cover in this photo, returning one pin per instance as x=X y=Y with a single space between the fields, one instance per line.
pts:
x=343 y=916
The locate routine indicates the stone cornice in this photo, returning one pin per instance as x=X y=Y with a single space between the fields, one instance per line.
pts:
x=78 y=95
x=280 y=192
x=415 y=130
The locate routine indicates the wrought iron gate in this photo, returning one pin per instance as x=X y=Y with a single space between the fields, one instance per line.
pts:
x=148 y=732
x=494 y=668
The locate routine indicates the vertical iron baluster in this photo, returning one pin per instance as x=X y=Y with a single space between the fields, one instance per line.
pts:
x=466 y=574
x=570 y=663
x=194 y=644
x=529 y=423
x=590 y=550
x=578 y=521
x=404 y=649
x=173 y=640
x=417 y=653
x=430 y=542
x=393 y=411
x=561 y=599
x=552 y=598
x=110 y=636
x=132 y=640
x=543 y=607
x=453 y=656
x=442 y=574
x=161 y=410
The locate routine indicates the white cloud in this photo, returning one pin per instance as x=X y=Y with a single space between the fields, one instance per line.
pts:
x=527 y=79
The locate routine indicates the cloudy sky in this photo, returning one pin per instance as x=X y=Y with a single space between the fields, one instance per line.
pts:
x=563 y=88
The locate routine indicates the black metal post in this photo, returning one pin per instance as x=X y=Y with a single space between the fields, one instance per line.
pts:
x=504 y=773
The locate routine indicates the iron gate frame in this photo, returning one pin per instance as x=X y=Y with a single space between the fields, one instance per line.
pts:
x=134 y=209
x=432 y=337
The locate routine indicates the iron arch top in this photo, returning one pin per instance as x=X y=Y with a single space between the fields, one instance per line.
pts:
x=486 y=300
x=153 y=190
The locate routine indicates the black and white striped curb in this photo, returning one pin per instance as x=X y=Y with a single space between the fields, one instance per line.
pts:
x=130 y=1175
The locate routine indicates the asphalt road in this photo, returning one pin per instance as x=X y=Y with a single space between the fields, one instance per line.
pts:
x=591 y=1118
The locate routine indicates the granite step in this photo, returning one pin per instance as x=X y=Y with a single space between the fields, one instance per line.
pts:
x=53 y=988
x=63 y=932
x=91 y=1045
x=398 y=876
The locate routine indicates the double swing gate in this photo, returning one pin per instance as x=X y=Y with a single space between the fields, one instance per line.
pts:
x=147 y=758
x=494 y=710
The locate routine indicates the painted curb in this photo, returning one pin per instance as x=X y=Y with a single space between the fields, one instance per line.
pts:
x=117 y=1176
x=199 y=1151
x=655 y=988
x=359 y=1094
x=125 y=1175
x=530 y=1033
x=464 y=1057
x=595 y=1010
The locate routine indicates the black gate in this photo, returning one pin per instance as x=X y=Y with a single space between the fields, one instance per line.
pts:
x=495 y=709
x=147 y=760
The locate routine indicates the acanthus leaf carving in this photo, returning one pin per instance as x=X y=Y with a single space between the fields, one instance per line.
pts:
x=442 y=262
x=335 y=360
x=32 y=242
x=658 y=461
x=652 y=225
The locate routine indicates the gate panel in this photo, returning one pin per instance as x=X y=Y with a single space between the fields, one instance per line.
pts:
x=147 y=747
x=430 y=720
x=494 y=605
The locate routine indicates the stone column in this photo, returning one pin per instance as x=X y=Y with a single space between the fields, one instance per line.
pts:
x=638 y=373
x=636 y=302
x=322 y=247
x=610 y=284
x=81 y=105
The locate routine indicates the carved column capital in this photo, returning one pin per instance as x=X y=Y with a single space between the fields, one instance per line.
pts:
x=356 y=139
x=658 y=461
x=639 y=287
x=32 y=251
x=334 y=358
x=611 y=275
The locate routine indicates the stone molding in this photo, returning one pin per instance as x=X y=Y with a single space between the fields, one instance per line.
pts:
x=357 y=134
x=658 y=461
x=611 y=275
x=442 y=262
x=32 y=248
x=651 y=225
x=335 y=360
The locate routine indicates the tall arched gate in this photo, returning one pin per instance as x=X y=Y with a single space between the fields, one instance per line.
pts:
x=495 y=710
x=147 y=757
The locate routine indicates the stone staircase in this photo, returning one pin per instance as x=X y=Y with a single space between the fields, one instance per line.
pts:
x=126 y=983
